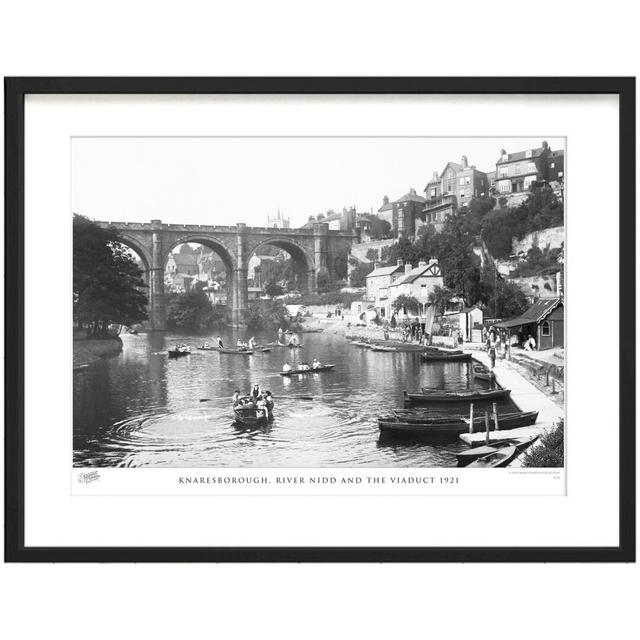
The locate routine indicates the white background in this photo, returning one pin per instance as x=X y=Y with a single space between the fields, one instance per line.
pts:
x=329 y=39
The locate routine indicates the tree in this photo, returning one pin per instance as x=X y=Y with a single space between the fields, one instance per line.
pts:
x=358 y=277
x=107 y=283
x=272 y=289
x=408 y=304
x=266 y=314
x=192 y=310
x=506 y=299
x=379 y=228
x=440 y=297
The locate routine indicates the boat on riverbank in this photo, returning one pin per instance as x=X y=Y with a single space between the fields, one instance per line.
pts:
x=511 y=420
x=320 y=369
x=238 y=352
x=434 y=395
x=467 y=457
x=500 y=458
x=453 y=426
x=442 y=356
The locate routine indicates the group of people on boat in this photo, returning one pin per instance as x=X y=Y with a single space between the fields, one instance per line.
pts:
x=245 y=346
x=303 y=366
x=261 y=401
x=182 y=348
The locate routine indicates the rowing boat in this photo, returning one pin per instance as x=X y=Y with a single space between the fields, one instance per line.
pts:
x=446 y=357
x=466 y=457
x=429 y=395
x=249 y=418
x=174 y=353
x=500 y=458
x=511 y=420
x=455 y=425
x=295 y=372
x=240 y=352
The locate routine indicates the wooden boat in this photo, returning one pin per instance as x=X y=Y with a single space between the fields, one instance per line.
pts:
x=175 y=353
x=466 y=457
x=431 y=395
x=203 y=348
x=295 y=372
x=249 y=418
x=311 y=331
x=240 y=352
x=511 y=420
x=500 y=458
x=455 y=424
x=430 y=356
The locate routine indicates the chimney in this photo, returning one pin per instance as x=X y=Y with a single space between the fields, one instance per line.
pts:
x=435 y=175
x=311 y=218
x=412 y=191
x=400 y=262
x=385 y=200
x=407 y=268
x=465 y=162
x=422 y=263
x=559 y=292
x=433 y=260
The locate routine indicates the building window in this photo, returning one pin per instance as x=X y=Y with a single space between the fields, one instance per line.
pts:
x=546 y=329
x=532 y=167
x=462 y=194
x=461 y=181
x=518 y=169
x=433 y=193
x=503 y=172
x=553 y=165
x=467 y=180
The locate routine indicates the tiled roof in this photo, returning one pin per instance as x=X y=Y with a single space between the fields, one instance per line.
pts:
x=540 y=310
x=410 y=197
x=521 y=155
x=386 y=207
x=414 y=274
x=385 y=271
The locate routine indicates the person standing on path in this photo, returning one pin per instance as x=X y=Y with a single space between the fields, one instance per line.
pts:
x=492 y=356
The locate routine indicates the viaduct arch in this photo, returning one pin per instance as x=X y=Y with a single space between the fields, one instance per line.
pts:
x=313 y=251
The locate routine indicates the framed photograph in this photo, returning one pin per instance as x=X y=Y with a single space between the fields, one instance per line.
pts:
x=320 y=319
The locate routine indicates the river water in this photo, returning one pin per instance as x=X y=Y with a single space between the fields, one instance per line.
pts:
x=142 y=409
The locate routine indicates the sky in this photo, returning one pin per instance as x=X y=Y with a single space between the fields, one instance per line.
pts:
x=228 y=180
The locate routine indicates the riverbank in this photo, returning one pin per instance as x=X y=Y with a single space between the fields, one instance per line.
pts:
x=89 y=350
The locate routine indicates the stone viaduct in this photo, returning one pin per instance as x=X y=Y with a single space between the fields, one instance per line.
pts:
x=312 y=250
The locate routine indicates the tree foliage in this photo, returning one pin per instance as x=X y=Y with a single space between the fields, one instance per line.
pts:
x=272 y=289
x=549 y=452
x=540 y=261
x=408 y=304
x=193 y=310
x=107 y=283
x=358 y=276
x=266 y=314
x=379 y=228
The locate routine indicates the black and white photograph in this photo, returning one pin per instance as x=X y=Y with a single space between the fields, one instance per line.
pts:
x=318 y=302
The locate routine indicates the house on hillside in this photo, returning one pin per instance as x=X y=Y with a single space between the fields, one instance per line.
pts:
x=417 y=283
x=544 y=321
x=379 y=279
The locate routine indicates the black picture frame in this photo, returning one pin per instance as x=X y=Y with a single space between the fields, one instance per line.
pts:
x=15 y=91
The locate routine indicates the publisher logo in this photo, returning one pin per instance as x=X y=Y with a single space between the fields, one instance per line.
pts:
x=88 y=477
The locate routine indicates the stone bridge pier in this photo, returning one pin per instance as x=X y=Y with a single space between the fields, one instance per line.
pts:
x=313 y=251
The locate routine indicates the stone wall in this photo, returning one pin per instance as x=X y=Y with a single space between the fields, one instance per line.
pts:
x=359 y=251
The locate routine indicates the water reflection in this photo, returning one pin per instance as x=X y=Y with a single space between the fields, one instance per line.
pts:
x=142 y=409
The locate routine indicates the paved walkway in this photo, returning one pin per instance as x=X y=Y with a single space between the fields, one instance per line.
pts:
x=525 y=396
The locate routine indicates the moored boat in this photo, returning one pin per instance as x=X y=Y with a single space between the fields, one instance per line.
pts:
x=469 y=456
x=240 y=352
x=430 y=356
x=432 y=395
x=510 y=420
x=500 y=458
x=455 y=424
x=295 y=372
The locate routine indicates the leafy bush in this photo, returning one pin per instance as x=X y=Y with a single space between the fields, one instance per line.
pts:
x=272 y=289
x=549 y=452
x=408 y=303
x=266 y=314
x=193 y=310
x=358 y=277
